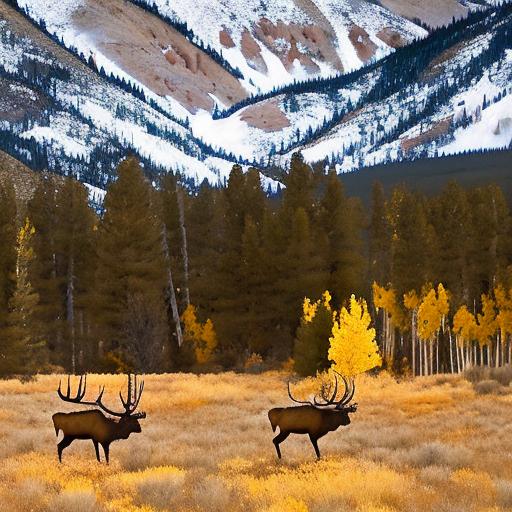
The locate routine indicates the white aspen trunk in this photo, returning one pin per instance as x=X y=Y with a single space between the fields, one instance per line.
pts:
x=421 y=359
x=413 y=342
x=172 y=293
x=184 y=247
x=437 y=355
x=452 y=369
x=431 y=356
x=497 y=356
x=425 y=358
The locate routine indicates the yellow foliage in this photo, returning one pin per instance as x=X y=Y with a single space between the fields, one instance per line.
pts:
x=353 y=349
x=504 y=305
x=431 y=312
x=202 y=336
x=464 y=325
x=411 y=300
x=386 y=300
x=309 y=309
x=487 y=324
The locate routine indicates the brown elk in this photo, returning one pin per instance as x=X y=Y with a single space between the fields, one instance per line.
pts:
x=315 y=418
x=93 y=424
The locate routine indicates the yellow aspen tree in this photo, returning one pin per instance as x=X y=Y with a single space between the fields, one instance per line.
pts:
x=464 y=327
x=411 y=303
x=353 y=348
x=504 y=320
x=487 y=326
x=443 y=306
x=201 y=336
x=393 y=318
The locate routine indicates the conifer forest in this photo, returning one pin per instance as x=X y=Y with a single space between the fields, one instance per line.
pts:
x=161 y=279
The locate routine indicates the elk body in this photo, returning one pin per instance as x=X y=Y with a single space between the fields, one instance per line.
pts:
x=93 y=424
x=315 y=418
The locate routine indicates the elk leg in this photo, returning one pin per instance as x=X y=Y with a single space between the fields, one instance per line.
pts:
x=97 y=450
x=279 y=439
x=66 y=441
x=314 y=442
x=106 y=450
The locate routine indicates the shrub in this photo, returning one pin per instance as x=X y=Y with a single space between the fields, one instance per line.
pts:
x=487 y=387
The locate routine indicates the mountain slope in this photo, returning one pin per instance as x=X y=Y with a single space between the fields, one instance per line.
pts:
x=57 y=114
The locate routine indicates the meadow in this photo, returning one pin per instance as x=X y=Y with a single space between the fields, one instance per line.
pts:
x=435 y=443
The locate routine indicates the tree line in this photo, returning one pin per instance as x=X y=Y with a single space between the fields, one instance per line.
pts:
x=164 y=279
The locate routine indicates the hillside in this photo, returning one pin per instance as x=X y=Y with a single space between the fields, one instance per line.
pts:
x=87 y=82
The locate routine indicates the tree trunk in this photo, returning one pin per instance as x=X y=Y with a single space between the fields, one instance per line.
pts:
x=452 y=369
x=413 y=341
x=170 y=285
x=184 y=247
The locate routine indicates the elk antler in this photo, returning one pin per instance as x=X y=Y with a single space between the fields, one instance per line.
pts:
x=130 y=404
x=330 y=400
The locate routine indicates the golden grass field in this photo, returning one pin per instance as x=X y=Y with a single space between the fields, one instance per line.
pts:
x=429 y=444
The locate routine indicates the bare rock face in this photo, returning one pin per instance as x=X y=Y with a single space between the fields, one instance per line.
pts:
x=361 y=41
x=156 y=55
x=303 y=43
x=266 y=116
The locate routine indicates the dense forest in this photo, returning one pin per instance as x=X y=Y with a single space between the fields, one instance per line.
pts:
x=165 y=280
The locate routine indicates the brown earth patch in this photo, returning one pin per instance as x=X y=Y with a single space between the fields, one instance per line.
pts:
x=266 y=116
x=391 y=37
x=361 y=41
x=156 y=55
x=440 y=128
x=252 y=52
x=433 y=12
x=225 y=39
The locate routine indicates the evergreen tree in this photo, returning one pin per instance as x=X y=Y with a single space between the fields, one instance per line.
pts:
x=8 y=235
x=312 y=340
x=130 y=278
x=379 y=238
x=341 y=219
x=23 y=350
x=74 y=247
x=51 y=315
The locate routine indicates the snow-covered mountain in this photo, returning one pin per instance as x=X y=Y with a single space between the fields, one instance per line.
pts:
x=192 y=87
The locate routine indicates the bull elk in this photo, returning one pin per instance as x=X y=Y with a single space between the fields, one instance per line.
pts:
x=93 y=424
x=324 y=414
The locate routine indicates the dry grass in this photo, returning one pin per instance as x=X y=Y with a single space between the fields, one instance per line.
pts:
x=433 y=444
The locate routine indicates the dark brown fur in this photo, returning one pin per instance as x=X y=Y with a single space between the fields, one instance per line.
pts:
x=92 y=425
x=306 y=419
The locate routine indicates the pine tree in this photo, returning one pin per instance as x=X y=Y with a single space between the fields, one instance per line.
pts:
x=24 y=350
x=8 y=234
x=131 y=272
x=74 y=247
x=341 y=219
x=50 y=313
x=379 y=238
